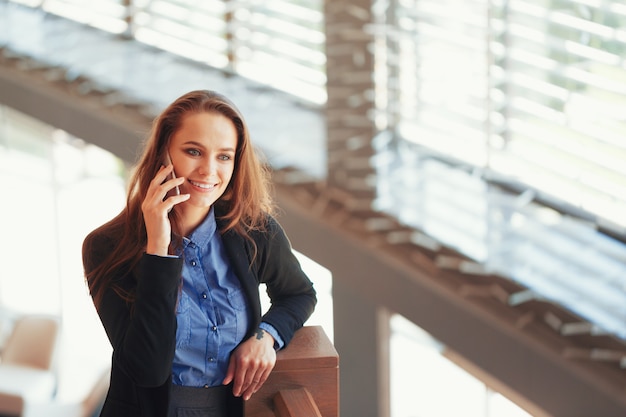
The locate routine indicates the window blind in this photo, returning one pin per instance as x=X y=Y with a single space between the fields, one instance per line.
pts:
x=195 y=30
x=562 y=82
x=530 y=92
x=279 y=43
x=525 y=94
x=442 y=84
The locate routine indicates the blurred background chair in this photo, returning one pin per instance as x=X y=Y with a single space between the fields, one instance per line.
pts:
x=26 y=373
x=31 y=343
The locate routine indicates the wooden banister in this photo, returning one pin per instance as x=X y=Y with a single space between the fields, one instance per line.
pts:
x=295 y=403
x=304 y=380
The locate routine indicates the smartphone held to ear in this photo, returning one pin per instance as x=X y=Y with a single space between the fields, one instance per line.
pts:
x=168 y=161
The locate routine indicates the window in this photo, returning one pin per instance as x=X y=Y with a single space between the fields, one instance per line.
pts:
x=528 y=92
x=278 y=43
x=503 y=136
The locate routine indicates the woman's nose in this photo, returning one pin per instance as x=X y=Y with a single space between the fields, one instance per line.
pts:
x=208 y=168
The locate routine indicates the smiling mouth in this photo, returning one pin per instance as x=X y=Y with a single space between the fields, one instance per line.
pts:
x=203 y=186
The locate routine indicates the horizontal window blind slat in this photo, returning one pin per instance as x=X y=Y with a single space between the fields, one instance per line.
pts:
x=110 y=8
x=102 y=14
x=572 y=142
x=281 y=28
x=181 y=28
x=305 y=15
x=216 y=57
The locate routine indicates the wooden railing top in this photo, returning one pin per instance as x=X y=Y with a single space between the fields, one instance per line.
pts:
x=310 y=347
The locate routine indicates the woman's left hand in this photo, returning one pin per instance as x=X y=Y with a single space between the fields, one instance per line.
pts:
x=250 y=364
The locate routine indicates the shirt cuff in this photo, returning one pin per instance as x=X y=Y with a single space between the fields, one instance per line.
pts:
x=278 y=341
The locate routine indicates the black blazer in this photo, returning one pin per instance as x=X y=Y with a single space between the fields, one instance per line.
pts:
x=144 y=340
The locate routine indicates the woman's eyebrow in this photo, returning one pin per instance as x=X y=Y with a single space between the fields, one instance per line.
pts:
x=193 y=143
x=199 y=145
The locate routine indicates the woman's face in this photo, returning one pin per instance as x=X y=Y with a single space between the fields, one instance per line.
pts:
x=203 y=152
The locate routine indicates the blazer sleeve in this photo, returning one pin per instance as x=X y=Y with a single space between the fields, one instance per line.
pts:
x=291 y=293
x=143 y=336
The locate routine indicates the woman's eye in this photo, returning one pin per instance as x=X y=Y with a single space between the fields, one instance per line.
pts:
x=193 y=152
x=225 y=157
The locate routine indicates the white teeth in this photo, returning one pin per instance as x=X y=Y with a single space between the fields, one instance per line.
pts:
x=205 y=186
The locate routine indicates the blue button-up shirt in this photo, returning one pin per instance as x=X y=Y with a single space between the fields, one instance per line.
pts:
x=212 y=313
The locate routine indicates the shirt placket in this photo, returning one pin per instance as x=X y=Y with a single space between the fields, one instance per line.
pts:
x=207 y=304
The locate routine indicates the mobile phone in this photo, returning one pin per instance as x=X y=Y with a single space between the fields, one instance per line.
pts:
x=168 y=161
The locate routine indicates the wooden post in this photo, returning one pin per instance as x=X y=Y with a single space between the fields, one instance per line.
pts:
x=310 y=361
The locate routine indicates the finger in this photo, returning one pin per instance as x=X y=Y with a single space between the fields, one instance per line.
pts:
x=156 y=191
x=240 y=383
x=174 y=200
x=259 y=379
x=230 y=372
x=237 y=386
x=162 y=175
x=170 y=187
x=247 y=374
x=264 y=375
x=254 y=386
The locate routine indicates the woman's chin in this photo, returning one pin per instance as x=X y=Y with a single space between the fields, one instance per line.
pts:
x=200 y=202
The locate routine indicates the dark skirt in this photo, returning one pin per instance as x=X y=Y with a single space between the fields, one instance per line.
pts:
x=204 y=402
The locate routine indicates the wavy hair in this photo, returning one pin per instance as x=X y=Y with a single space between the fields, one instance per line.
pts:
x=245 y=204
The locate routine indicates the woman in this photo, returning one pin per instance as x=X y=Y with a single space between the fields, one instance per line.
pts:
x=174 y=277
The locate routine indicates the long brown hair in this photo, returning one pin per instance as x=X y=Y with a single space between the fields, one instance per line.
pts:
x=244 y=204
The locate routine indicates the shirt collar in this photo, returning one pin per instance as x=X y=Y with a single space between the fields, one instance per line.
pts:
x=204 y=232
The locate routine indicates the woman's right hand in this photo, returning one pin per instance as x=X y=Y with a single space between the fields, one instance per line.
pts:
x=155 y=208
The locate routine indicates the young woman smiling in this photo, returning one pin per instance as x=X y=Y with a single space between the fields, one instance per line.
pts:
x=175 y=276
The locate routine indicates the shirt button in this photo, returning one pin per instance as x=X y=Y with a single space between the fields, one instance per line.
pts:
x=206 y=386
x=214 y=328
x=204 y=295
x=211 y=359
x=193 y=263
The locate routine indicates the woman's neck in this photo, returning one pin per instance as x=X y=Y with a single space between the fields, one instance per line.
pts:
x=191 y=217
